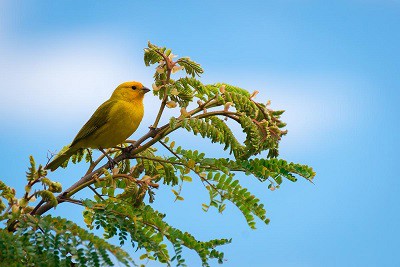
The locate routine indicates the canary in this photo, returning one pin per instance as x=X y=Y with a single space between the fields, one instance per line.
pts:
x=111 y=124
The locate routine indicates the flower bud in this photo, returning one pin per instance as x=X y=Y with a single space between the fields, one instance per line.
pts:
x=15 y=208
x=115 y=171
x=175 y=69
x=272 y=188
x=155 y=87
x=184 y=112
x=171 y=56
x=227 y=106
x=174 y=92
x=253 y=95
x=171 y=104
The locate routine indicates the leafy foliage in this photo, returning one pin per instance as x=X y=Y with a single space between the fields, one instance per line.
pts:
x=146 y=228
x=122 y=202
x=54 y=241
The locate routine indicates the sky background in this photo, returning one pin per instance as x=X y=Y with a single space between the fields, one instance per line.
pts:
x=332 y=65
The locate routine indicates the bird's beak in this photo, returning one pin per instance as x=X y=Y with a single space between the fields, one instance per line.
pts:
x=145 y=89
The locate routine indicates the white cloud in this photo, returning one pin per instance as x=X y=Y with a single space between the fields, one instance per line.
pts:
x=316 y=105
x=63 y=78
x=62 y=81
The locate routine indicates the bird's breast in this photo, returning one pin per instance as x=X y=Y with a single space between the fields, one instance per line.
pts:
x=127 y=115
x=124 y=119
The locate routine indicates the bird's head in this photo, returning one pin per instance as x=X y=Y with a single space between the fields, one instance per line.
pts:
x=129 y=91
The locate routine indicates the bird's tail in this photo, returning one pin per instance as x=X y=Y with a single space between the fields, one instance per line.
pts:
x=60 y=159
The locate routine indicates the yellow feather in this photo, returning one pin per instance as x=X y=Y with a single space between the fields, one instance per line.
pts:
x=111 y=124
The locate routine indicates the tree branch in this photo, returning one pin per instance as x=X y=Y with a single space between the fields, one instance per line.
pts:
x=156 y=134
x=170 y=65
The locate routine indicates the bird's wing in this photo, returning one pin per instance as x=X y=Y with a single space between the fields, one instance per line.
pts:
x=99 y=118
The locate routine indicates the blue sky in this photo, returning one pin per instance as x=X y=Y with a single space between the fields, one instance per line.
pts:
x=332 y=65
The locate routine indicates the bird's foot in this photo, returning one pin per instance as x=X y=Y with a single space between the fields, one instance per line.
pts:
x=112 y=163
x=127 y=150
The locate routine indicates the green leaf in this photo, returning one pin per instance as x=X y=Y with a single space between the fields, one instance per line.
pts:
x=31 y=173
x=192 y=68
x=187 y=178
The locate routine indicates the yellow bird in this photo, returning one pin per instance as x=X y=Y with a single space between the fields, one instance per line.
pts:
x=111 y=124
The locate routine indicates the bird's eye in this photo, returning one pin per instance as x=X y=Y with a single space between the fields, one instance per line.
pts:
x=134 y=87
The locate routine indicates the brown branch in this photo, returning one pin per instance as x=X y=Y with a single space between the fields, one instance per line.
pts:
x=133 y=149
x=162 y=107
x=94 y=164
x=183 y=164
x=170 y=65
x=156 y=134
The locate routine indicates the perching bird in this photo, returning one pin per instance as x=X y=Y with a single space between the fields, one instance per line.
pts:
x=111 y=124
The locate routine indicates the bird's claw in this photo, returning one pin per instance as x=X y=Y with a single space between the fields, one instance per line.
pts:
x=112 y=163
x=127 y=150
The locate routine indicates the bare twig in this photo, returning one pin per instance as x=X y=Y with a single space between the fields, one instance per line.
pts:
x=94 y=164
x=154 y=134
x=94 y=190
x=170 y=64
x=74 y=201
x=169 y=149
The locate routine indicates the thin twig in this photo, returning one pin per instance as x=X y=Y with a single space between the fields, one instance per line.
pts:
x=170 y=65
x=74 y=201
x=94 y=190
x=90 y=155
x=94 y=164
x=41 y=202
x=159 y=160
x=170 y=150
x=155 y=134
x=183 y=164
